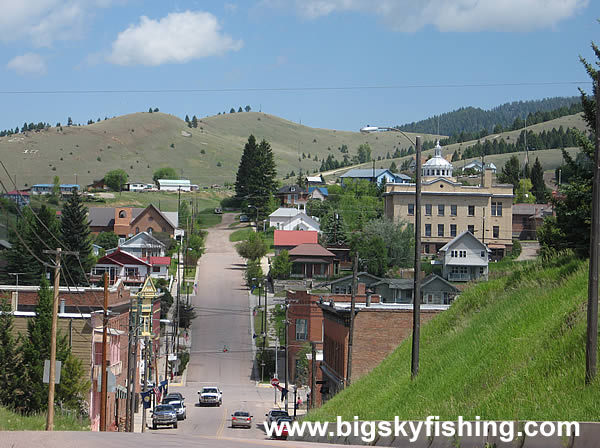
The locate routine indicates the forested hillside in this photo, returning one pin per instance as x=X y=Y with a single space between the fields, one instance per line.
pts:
x=505 y=117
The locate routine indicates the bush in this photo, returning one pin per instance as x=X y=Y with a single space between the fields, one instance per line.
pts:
x=253 y=273
x=516 y=249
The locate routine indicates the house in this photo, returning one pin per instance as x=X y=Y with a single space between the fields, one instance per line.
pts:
x=378 y=329
x=292 y=219
x=19 y=197
x=97 y=185
x=141 y=245
x=129 y=221
x=65 y=189
x=343 y=285
x=449 y=208
x=291 y=196
x=160 y=267
x=314 y=181
x=465 y=258
x=174 y=185
x=138 y=186
x=311 y=260
x=476 y=165
x=402 y=178
x=527 y=219
x=121 y=266
x=318 y=193
x=288 y=239
x=378 y=176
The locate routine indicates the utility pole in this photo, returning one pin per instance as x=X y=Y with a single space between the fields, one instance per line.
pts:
x=417 y=280
x=591 y=345
x=145 y=388
x=104 y=369
x=313 y=379
x=16 y=274
x=58 y=253
x=285 y=372
x=262 y=375
x=351 y=333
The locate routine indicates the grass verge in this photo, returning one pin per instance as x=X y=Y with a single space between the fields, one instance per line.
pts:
x=241 y=234
x=11 y=421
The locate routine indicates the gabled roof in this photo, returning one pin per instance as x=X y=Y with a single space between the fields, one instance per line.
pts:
x=349 y=277
x=142 y=236
x=431 y=277
x=101 y=216
x=303 y=217
x=160 y=261
x=17 y=193
x=294 y=237
x=283 y=212
x=365 y=173
x=531 y=209
x=121 y=258
x=290 y=189
x=311 y=250
x=465 y=234
x=402 y=176
x=314 y=179
x=157 y=210
x=323 y=190
x=440 y=179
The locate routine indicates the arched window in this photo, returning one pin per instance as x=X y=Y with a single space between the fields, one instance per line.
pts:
x=137 y=230
x=122 y=214
x=149 y=230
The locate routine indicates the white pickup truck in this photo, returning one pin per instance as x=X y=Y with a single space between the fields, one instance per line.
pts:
x=210 y=395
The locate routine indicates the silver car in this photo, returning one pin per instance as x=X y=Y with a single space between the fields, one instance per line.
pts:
x=241 y=419
x=179 y=407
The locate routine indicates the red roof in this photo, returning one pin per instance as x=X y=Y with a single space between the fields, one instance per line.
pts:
x=121 y=258
x=18 y=192
x=312 y=250
x=295 y=237
x=166 y=261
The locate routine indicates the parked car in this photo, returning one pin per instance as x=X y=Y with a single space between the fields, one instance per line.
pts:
x=284 y=430
x=244 y=218
x=241 y=419
x=210 y=395
x=173 y=396
x=274 y=414
x=180 y=408
x=164 y=415
x=218 y=211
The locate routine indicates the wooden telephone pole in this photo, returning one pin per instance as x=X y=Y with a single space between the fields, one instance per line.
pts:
x=50 y=417
x=104 y=369
x=351 y=332
x=414 y=371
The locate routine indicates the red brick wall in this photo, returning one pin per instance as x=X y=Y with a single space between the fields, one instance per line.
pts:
x=151 y=218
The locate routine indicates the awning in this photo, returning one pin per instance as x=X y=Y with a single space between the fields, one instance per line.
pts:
x=311 y=260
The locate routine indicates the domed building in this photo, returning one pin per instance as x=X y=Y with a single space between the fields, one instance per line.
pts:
x=437 y=166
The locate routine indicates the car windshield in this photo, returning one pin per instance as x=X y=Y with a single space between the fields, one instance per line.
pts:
x=175 y=404
x=209 y=391
x=164 y=408
x=278 y=413
x=241 y=414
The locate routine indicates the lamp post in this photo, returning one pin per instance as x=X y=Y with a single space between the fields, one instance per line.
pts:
x=255 y=207
x=417 y=281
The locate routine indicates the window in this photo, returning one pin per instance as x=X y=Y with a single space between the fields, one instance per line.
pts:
x=441 y=208
x=481 y=270
x=452 y=229
x=483 y=254
x=150 y=230
x=496 y=232
x=471 y=229
x=301 y=329
x=471 y=210
x=428 y=209
x=462 y=254
x=122 y=214
x=150 y=218
x=155 y=268
x=131 y=272
x=411 y=209
x=496 y=208
x=453 y=208
x=454 y=253
x=137 y=230
x=427 y=229
x=440 y=229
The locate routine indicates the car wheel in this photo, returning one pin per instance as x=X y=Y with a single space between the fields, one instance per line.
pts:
x=175 y=425
x=154 y=426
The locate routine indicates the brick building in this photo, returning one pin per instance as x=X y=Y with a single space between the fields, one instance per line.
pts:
x=527 y=219
x=129 y=221
x=378 y=329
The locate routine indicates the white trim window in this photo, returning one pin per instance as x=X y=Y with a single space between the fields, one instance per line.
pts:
x=301 y=329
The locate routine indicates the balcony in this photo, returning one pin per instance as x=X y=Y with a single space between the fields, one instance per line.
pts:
x=459 y=277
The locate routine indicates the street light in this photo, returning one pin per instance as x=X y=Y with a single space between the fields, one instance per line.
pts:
x=254 y=206
x=417 y=283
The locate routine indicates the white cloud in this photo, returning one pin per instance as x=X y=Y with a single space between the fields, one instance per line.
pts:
x=448 y=15
x=28 y=64
x=176 y=38
x=43 y=22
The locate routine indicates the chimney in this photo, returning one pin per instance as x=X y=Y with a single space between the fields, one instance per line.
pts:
x=369 y=292
x=361 y=289
x=487 y=178
x=62 y=306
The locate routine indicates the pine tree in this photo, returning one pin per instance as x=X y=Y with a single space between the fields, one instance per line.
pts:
x=393 y=167
x=73 y=387
x=75 y=232
x=34 y=349
x=537 y=181
x=187 y=119
x=8 y=359
x=334 y=230
x=194 y=121
x=511 y=172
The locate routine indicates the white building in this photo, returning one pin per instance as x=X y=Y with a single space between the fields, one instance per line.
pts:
x=437 y=166
x=138 y=186
x=292 y=219
x=174 y=185
x=465 y=258
x=141 y=245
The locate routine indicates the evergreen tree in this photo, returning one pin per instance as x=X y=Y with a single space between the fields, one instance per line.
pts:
x=75 y=231
x=247 y=108
x=537 y=181
x=187 y=119
x=240 y=109
x=34 y=349
x=232 y=111
x=301 y=180
x=393 y=167
x=73 y=387
x=255 y=179
x=334 y=229
x=69 y=121
x=511 y=172
x=194 y=121
x=8 y=359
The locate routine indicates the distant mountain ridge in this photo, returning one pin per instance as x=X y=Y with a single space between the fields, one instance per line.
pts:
x=474 y=119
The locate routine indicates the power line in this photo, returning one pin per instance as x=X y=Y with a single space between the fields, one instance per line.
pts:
x=293 y=88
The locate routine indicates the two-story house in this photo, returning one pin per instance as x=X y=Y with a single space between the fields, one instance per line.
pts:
x=291 y=196
x=292 y=219
x=141 y=245
x=465 y=258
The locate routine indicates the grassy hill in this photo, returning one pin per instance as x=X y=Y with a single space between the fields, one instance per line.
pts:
x=142 y=142
x=510 y=348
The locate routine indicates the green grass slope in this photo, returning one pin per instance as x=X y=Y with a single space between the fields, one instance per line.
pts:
x=142 y=142
x=511 y=348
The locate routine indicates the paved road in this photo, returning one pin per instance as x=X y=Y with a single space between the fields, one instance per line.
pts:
x=223 y=323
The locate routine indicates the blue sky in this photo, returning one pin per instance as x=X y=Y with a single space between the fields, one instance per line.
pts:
x=223 y=54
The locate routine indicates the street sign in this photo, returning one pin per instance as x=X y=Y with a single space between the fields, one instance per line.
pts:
x=172 y=357
x=46 y=378
x=274 y=382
